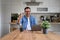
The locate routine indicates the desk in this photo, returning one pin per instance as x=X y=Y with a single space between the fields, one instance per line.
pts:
x=35 y=35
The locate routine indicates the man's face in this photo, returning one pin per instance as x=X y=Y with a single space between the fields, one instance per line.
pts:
x=27 y=12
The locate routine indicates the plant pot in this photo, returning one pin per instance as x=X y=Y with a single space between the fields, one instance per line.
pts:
x=45 y=31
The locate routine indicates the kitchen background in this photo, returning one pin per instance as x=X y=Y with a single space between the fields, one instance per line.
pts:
x=17 y=6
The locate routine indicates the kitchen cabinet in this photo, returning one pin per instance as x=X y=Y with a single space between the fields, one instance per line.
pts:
x=13 y=26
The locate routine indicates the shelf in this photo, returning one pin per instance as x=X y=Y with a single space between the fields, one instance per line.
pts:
x=12 y=23
x=42 y=12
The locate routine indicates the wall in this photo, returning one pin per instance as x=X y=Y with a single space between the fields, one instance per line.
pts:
x=0 y=18
x=17 y=6
x=4 y=18
x=52 y=5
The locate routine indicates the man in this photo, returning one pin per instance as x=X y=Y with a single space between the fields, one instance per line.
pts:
x=27 y=20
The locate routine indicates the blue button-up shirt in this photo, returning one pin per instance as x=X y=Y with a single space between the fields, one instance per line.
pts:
x=24 y=21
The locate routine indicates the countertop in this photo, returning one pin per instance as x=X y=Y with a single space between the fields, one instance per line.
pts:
x=39 y=23
x=29 y=35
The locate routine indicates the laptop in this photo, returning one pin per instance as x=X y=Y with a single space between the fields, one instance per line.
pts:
x=36 y=28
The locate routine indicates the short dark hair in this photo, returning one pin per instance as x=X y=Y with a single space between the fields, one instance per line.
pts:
x=27 y=8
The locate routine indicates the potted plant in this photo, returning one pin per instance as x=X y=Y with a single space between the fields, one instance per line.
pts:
x=45 y=26
x=15 y=18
